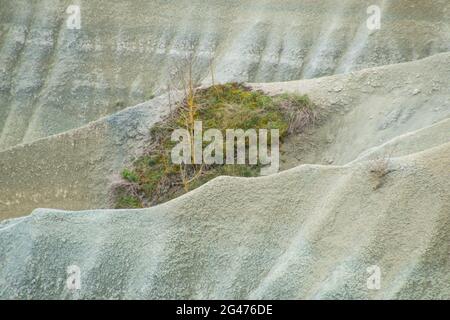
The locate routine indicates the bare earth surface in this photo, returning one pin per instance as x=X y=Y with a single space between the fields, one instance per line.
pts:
x=308 y=232
x=76 y=107
x=53 y=79
x=361 y=111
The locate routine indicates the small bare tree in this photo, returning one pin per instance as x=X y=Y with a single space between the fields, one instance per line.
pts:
x=184 y=77
x=380 y=168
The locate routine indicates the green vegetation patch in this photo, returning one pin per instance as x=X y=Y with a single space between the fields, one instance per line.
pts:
x=153 y=178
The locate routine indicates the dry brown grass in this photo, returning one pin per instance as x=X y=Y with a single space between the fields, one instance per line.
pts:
x=380 y=168
x=301 y=112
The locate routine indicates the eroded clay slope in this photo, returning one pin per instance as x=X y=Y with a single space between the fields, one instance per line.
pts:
x=75 y=169
x=377 y=107
x=53 y=79
x=309 y=232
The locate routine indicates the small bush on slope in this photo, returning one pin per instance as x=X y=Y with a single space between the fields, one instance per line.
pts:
x=154 y=179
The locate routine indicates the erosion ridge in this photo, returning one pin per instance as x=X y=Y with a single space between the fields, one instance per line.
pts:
x=367 y=186
x=54 y=79
x=309 y=232
x=363 y=110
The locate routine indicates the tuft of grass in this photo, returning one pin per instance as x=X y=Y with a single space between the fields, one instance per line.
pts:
x=299 y=110
x=154 y=179
x=380 y=168
x=128 y=202
x=149 y=96
x=126 y=195
x=129 y=176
